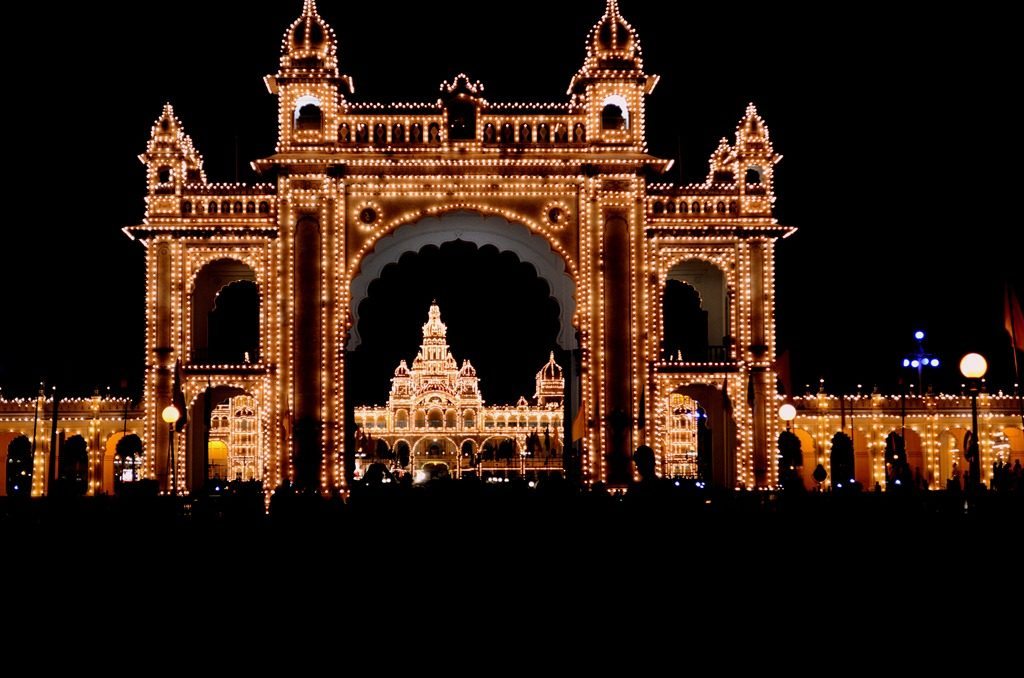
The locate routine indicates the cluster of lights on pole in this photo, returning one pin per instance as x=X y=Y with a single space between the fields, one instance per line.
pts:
x=921 y=359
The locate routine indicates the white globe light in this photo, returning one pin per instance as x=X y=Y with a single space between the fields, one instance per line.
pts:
x=973 y=366
x=787 y=412
x=171 y=414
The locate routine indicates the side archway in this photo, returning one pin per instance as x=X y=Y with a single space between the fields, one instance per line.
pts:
x=715 y=431
x=225 y=313
x=696 y=313
x=225 y=437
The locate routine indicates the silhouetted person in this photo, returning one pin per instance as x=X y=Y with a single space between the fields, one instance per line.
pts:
x=791 y=459
x=649 y=490
x=953 y=484
x=644 y=461
x=376 y=475
x=896 y=466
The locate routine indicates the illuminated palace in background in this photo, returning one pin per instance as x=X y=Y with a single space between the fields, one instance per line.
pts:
x=436 y=417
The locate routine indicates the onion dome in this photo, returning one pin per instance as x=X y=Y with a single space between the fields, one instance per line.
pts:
x=403 y=370
x=467 y=369
x=310 y=43
x=550 y=371
x=613 y=43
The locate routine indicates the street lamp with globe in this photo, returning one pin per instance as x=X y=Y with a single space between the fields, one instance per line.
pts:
x=790 y=457
x=974 y=366
x=170 y=415
x=787 y=413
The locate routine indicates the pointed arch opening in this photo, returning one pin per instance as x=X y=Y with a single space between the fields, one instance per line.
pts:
x=697 y=434
x=696 y=313
x=225 y=441
x=225 y=314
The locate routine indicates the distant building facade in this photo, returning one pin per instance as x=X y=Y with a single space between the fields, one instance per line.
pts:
x=100 y=421
x=436 y=418
x=933 y=427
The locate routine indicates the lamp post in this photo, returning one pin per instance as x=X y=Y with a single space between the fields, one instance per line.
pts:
x=170 y=415
x=973 y=367
x=789 y=449
x=787 y=413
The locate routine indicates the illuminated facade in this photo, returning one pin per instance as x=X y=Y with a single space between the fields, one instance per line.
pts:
x=682 y=444
x=234 y=449
x=354 y=185
x=436 y=417
x=934 y=430
x=101 y=422
x=935 y=427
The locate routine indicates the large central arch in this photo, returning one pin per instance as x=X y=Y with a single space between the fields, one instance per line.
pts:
x=479 y=230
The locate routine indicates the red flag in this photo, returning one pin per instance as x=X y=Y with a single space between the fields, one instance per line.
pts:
x=1013 y=318
x=579 y=426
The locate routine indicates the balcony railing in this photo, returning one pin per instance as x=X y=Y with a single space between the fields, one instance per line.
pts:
x=710 y=354
x=710 y=358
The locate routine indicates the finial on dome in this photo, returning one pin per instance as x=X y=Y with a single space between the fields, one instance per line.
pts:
x=310 y=42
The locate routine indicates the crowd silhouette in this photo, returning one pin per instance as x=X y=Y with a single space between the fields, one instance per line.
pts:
x=388 y=495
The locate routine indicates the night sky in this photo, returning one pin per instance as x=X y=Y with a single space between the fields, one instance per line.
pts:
x=895 y=125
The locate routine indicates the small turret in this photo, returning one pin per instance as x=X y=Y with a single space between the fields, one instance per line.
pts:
x=750 y=164
x=171 y=159
x=310 y=88
x=612 y=85
x=550 y=384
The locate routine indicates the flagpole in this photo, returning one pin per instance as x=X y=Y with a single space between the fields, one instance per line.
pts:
x=1011 y=311
x=35 y=424
x=54 y=458
x=1016 y=366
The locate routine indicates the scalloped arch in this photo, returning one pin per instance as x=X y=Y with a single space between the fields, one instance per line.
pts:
x=480 y=230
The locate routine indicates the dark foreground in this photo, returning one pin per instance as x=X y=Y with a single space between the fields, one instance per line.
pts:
x=464 y=517
x=485 y=558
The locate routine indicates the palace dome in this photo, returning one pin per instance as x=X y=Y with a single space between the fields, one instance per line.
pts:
x=309 y=41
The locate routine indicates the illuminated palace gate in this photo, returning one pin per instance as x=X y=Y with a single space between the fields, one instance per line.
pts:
x=665 y=290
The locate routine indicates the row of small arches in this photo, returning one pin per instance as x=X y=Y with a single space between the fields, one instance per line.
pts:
x=226 y=207
x=671 y=207
x=506 y=134
x=381 y=135
x=435 y=418
x=378 y=135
